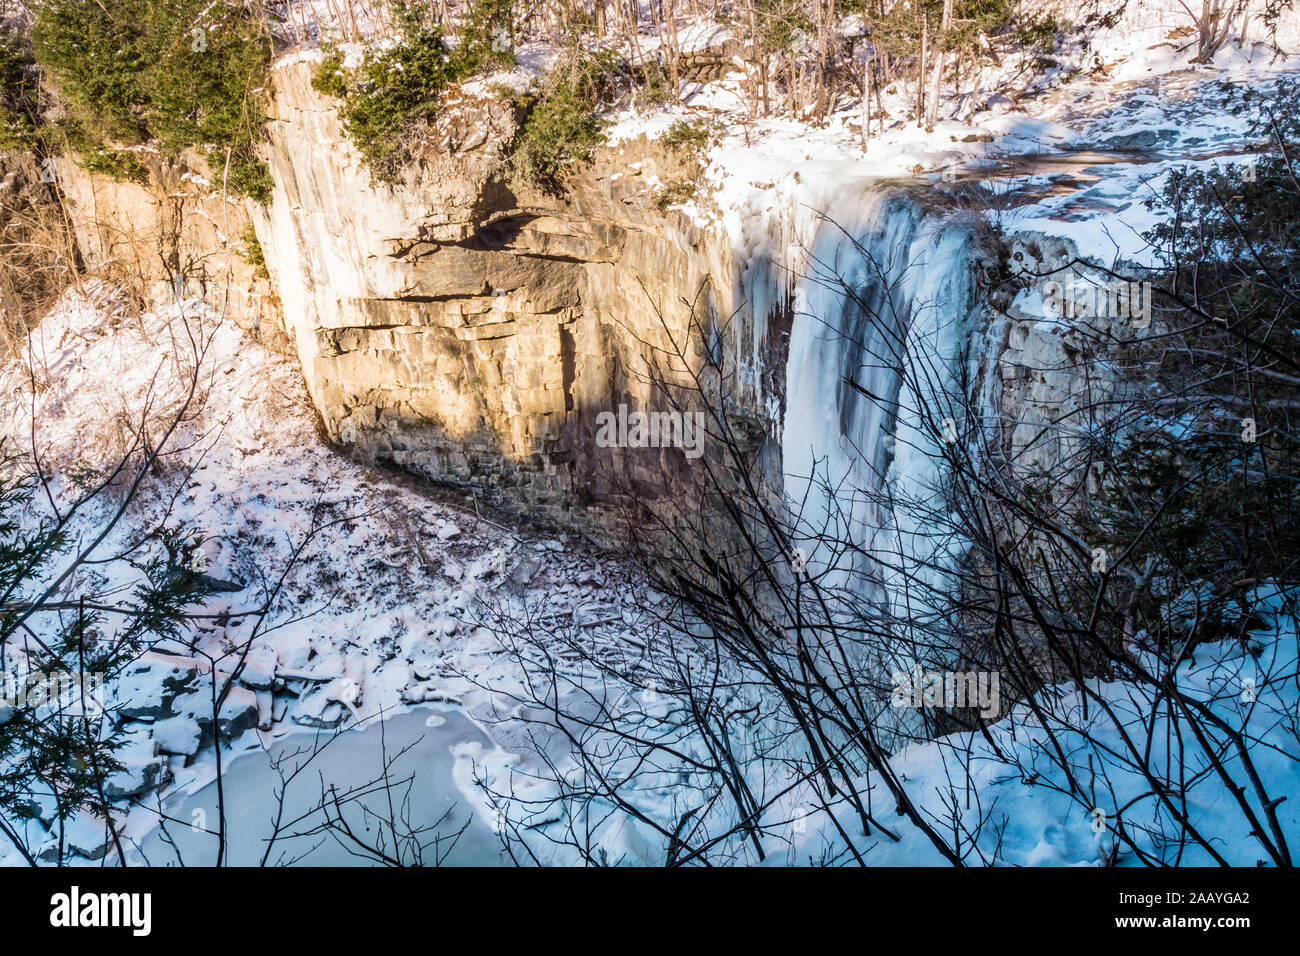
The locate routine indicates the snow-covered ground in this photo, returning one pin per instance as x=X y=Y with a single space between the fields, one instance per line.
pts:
x=380 y=573
x=1002 y=801
x=1014 y=806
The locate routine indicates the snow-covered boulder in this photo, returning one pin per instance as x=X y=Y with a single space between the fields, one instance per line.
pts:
x=84 y=835
x=136 y=777
x=425 y=656
x=147 y=689
x=259 y=668
x=292 y=648
x=237 y=714
x=177 y=735
x=317 y=709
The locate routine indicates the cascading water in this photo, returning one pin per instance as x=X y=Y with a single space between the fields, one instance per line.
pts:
x=880 y=332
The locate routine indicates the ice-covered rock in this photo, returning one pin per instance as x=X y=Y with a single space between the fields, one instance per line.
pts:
x=37 y=805
x=345 y=690
x=626 y=842
x=423 y=692
x=265 y=709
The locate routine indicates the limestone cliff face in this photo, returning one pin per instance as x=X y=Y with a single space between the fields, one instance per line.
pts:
x=472 y=333
x=174 y=234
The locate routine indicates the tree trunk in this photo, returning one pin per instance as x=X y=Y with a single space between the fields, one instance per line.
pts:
x=867 y=65
x=824 y=23
x=936 y=73
x=674 y=47
x=920 y=70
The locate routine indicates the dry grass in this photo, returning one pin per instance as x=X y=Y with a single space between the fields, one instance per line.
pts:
x=38 y=255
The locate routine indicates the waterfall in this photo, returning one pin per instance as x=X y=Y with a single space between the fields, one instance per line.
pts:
x=884 y=301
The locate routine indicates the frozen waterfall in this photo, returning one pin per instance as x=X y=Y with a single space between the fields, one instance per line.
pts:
x=883 y=303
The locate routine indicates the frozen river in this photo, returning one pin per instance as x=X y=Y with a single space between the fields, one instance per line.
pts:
x=335 y=810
